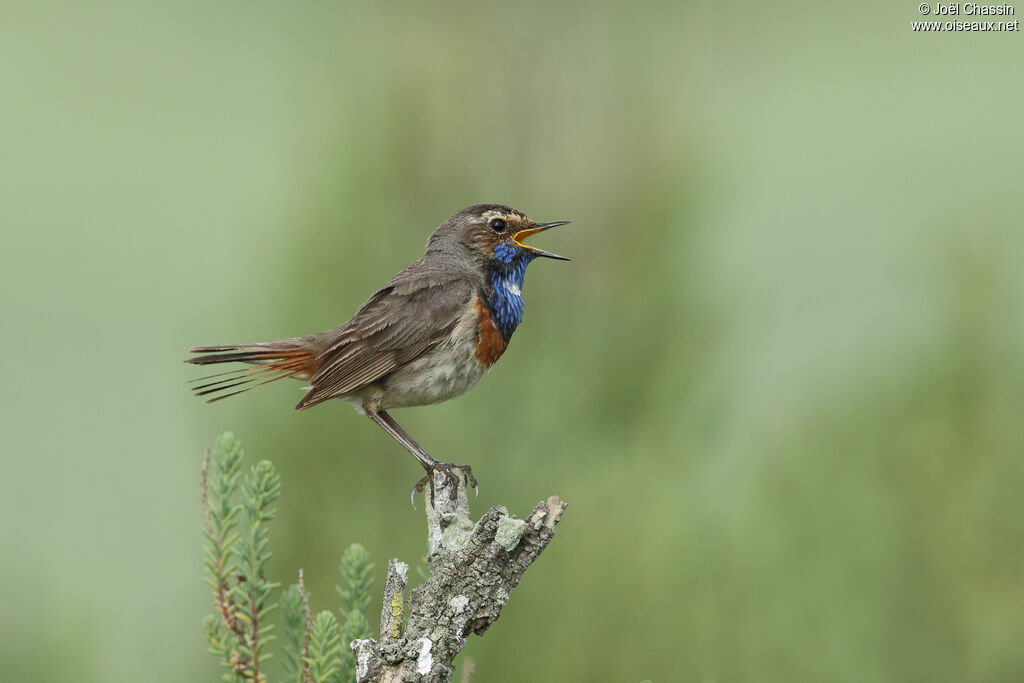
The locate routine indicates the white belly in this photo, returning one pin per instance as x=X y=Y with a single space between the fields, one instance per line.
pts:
x=438 y=376
x=447 y=371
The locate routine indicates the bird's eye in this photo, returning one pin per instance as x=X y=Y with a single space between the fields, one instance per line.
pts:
x=497 y=224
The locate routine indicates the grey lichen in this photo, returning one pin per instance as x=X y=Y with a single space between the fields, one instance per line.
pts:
x=363 y=650
x=510 y=530
x=459 y=603
x=473 y=567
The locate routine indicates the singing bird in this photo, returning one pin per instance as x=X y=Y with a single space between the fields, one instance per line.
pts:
x=428 y=335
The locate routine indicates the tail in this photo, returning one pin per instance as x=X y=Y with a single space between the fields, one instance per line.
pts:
x=274 y=360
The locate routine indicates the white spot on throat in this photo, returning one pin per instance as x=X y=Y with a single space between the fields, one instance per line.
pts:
x=513 y=288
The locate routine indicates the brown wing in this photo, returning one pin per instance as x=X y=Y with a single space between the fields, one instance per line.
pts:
x=411 y=314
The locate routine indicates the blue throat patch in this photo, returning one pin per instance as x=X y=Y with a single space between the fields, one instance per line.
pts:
x=507 y=278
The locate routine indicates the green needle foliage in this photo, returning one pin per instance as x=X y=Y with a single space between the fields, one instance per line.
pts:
x=237 y=514
x=293 y=618
x=220 y=489
x=223 y=642
x=356 y=628
x=325 y=650
x=357 y=575
x=261 y=489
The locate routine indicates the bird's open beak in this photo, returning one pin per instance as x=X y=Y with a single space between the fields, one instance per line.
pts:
x=533 y=230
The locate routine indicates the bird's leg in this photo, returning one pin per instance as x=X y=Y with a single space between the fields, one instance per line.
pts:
x=431 y=465
x=401 y=436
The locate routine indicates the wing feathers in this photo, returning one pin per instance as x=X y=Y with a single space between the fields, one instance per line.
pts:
x=414 y=312
x=397 y=325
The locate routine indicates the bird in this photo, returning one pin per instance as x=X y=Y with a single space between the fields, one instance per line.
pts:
x=428 y=335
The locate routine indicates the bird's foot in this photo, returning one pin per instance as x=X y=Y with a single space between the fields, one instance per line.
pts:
x=449 y=470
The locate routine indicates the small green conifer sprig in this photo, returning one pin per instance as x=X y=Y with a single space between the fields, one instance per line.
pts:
x=292 y=621
x=324 y=659
x=356 y=627
x=261 y=489
x=298 y=624
x=224 y=643
x=236 y=555
x=220 y=486
x=237 y=512
x=357 y=575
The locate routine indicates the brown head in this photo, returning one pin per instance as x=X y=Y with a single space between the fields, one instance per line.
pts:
x=489 y=235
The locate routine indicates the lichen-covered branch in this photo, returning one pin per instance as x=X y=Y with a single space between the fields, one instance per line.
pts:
x=473 y=568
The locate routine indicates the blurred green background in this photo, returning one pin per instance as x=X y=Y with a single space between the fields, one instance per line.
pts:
x=781 y=384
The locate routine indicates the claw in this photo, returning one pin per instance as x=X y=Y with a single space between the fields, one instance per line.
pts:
x=449 y=470
x=418 y=488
